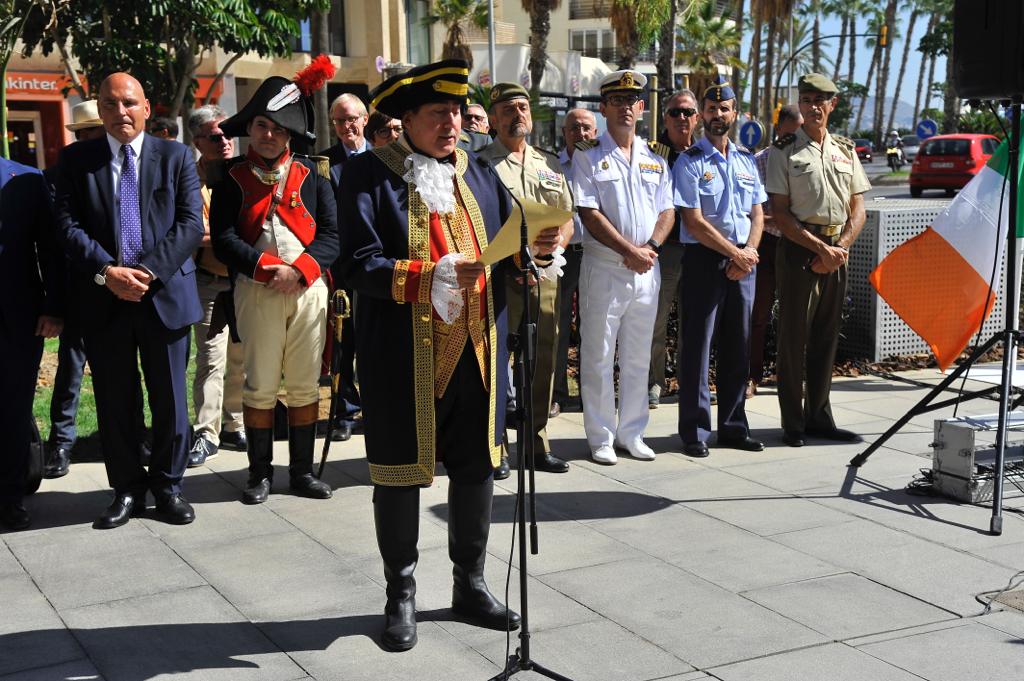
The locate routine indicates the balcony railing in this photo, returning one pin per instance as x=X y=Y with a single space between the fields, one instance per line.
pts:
x=611 y=55
x=589 y=9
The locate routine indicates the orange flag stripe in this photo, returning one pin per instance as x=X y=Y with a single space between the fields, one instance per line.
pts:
x=936 y=292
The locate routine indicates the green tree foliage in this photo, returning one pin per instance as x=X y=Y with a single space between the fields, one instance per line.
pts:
x=161 y=42
x=636 y=24
x=705 y=40
x=839 y=119
x=453 y=14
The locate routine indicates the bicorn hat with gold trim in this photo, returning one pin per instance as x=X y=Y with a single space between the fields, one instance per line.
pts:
x=626 y=80
x=441 y=81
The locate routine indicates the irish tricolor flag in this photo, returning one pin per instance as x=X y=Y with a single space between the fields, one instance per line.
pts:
x=938 y=282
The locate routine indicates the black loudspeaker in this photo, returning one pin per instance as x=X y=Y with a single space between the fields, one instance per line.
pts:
x=988 y=49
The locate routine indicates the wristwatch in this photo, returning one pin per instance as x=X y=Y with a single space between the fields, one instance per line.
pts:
x=101 y=277
x=654 y=245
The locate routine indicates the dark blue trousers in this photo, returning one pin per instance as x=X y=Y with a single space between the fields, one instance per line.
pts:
x=712 y=309
x=21 y=350
x=135 y=335
x=67 y=390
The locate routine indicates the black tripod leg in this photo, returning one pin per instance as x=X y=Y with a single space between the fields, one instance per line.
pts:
x=922 y=407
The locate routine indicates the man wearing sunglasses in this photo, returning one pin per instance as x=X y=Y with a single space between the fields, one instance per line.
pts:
x=719 y=194
x=680 y=120
x=623 y=190
x=217 y=386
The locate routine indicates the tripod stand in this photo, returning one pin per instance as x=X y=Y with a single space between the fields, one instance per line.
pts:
x=522 y=345
x=1008 y=337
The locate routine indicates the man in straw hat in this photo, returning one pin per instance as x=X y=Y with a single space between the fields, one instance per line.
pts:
x=417 y=213
x=273 y=223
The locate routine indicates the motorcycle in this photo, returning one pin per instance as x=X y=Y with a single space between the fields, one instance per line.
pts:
x=894 y=157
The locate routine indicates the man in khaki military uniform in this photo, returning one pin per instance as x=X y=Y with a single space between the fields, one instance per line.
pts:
x=532 y=174
x=816 y=185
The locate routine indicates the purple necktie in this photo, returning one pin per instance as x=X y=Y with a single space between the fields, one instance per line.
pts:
x=131 y=221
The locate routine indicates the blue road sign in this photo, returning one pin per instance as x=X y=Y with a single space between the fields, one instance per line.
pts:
x=751 y=134
x=926 y=128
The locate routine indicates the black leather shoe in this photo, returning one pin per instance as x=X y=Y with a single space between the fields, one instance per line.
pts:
x=502 y=471
x=256 y=492
x=57 y=463
x=547 y=463
x=342 y=431
x=175 y=510
x=697 y=450
x=310 y=487
x=235 y=441
x=837 y=434
x=202 y=449
x=793 y=438
x=399 y=624
x=123 y=508
x=13 y=516
x=746 y=443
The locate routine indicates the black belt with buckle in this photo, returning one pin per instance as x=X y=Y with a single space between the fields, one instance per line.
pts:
x=575 y=248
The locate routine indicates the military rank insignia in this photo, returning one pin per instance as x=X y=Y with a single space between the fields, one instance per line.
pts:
x=708 y=176
x=604 y=165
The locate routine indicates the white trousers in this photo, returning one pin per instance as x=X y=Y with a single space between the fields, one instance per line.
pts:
x=282 y=342
x=617 y=306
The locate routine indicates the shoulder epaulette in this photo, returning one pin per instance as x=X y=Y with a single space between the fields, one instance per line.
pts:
x=844 y=141
x=693 y=151
x=784 y=141
x=659 y=149
x=464 y=137
x=323 y=166
x=546 y=151
x=585 y=145
x=744 y=150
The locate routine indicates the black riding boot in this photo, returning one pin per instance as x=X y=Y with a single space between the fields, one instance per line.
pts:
x=469 y=521
x=397 y=519
x=301 y=442
x=259 y=434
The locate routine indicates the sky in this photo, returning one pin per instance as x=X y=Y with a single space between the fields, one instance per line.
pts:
x=833 y=25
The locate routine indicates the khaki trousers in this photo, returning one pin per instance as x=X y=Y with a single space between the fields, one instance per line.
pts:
x=217 y=387
x=546 y=292
x=282 y=342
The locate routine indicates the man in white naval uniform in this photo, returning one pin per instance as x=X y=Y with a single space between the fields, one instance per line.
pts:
x=623 y=190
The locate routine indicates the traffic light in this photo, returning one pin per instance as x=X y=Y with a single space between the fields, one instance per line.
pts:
x=883 y=36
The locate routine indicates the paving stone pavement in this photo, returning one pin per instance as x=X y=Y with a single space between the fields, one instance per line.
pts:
x=780 y=565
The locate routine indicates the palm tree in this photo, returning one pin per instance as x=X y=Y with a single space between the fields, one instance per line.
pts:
x=932 y=19
x=738 y=22
x=708 y=39
x=636 y=24
x=838 y=7
x=452 y=14
x=667 y=54
x=874 y=24
x=754 y=60
x=908 y=40
x=540 y=27
x=771 y=12
x=883 y=69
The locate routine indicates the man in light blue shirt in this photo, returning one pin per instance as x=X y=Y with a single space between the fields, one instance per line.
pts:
x=719 y=193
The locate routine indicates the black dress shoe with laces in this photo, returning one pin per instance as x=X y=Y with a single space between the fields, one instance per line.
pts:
x=121 y=510
x=697 y=450
x=746 y=443
x=57 y=463
x=793 y=438
x=547 y=463
x=202 y=449
x=503 y=470
x=234 y=441
x=837 y=434
x=341 y=431
x=175 y=510
x=13 y=516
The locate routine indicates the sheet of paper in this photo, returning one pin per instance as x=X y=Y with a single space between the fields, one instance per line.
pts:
x=538 y=218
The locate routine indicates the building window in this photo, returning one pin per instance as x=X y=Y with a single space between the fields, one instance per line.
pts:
x=594 y=42
x=416 y=11
x=589 y=9
x=335 y=31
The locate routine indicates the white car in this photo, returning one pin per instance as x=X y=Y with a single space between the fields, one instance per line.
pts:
x=911 y=143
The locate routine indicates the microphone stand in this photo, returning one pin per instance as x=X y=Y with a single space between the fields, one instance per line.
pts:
x=522 y=345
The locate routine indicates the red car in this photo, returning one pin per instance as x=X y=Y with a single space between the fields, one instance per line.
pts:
x=864 y=149
x=949 y=162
